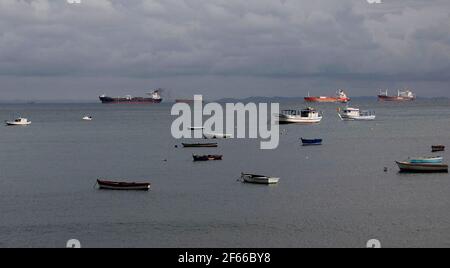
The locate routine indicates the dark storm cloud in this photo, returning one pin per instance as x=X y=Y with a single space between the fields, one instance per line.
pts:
x=253 y=38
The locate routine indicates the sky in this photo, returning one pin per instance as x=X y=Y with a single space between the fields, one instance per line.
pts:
x=54 y=50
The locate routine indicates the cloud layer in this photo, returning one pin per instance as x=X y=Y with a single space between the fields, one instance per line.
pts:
x=404 y=39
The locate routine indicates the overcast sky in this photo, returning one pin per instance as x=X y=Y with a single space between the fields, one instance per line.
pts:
x=50 y=49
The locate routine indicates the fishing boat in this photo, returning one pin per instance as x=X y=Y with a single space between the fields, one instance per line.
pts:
x=340 y=97
x=115 y=185
x=199 y=145
x=305 y=116
x=210 y=135
x=437 y=148
x=426 y=160
x=307 y=142
x=422 y=168
x=18 y=122
x=355 y=114
x=259 y=179
x=402 y=95
x=198 y=158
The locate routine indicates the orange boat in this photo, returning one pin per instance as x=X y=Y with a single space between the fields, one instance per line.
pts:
x=340 y=97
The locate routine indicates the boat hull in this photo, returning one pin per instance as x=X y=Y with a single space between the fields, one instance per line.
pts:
x=259 y=179
x=422 y=168
x=287 y=119
x=327 y=99
x=200 y=145
x=358 y=118
x=123 y=186
x=12 y=124
x=437 y=148
x=202 y=158
x=216 y=136
x=310 y=142
x=395 y=98
x=137 y=100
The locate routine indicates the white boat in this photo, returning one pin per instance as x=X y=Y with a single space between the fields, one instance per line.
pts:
x=421 y=167
x=210 y=135
x=352 y=114
x=259 y=179
x=305 y=116
x=18 y=122
x=196 y=128
x=87 y=118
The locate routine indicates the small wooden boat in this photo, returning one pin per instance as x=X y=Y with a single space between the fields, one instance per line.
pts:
x=307 y=142
x=421 y=168
x=426 y=160
x=199 y=145
x=113 y=185
x=437 y=148
x=259 y=179
x=207 y=157
x=18 y=122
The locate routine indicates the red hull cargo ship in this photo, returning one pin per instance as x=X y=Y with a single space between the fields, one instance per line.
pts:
x=340 y=97
x=155 y=98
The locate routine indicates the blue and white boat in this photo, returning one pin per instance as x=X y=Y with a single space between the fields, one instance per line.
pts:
x=426 y=160
x=307 y=142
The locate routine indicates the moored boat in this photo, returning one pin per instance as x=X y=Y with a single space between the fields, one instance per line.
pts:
x=196 y=128
x=422 y=168
x=307 y=142
x=198 y=158
x=305 y=116
x=210 y=135
x=402 y=95
x=259 y=179
x=340 y=97
x=437 y=148
x=18 y=122
x=355 y=114
x=116 y=185
x=199 y=145
x=426 y=160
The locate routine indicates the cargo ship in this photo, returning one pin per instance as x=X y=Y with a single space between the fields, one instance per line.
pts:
x=340 y=97
x=155 y=98
x=402 y=95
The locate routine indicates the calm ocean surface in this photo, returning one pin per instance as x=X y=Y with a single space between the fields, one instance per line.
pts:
x=336 y=195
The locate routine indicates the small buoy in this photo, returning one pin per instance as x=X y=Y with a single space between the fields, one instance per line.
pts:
x=385 y=169
x=165 y=160
x=176 y=146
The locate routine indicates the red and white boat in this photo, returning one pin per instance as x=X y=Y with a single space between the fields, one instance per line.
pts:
x=340 y=97
x=402 y=95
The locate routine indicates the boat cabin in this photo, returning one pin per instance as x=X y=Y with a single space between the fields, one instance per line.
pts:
x=355 y=112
